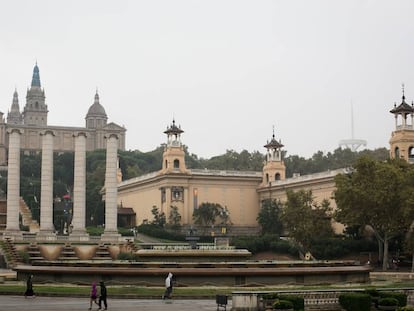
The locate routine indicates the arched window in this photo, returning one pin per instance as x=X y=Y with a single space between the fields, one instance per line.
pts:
x=166 y=164
x=397 y=152
x=176 y=163
x=37 y=105
x=277 y=176
x=267 y=178
x=411 y=154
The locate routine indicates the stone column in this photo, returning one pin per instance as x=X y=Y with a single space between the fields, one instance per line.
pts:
x=79 y=189
x=13 y=185
x=111 y=189
x=47 y=229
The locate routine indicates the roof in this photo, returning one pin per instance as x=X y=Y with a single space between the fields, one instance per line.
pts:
x=403 y=108
x=126 y=211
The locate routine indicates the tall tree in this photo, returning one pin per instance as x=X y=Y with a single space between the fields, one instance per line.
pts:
x=207 y=213
x=269 y=217
x=379 y=195
x=305 y=219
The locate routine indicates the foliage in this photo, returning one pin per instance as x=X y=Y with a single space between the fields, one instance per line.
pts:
x=337 y=247
x=268 y=242
x=355 y=301
x=400 y=297
x=297 y=301
x=128 y=256
x=305 y=219
x=406 y=308
x=125 y=231
x=388 y=301
x=24 y=255
x=377 y=194
x=174 y=219
x=281 y=304
x=207 y=213
x=94 y=231
x=269 y=217
x=159 y=232
x=159 y=218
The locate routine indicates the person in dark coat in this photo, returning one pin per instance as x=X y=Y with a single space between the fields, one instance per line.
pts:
x=29 y=293
x=102 y=297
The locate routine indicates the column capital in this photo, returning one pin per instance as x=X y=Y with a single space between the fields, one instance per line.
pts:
x=47 y=131
x=80 y=133
x=109 y=135
x=15 y=130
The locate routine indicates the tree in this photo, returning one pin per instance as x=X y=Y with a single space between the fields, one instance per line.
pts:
x=159 y=218
x=305 y=219
x=174 y=219
x=269 y=217
x=207 y=213
x=379 y=195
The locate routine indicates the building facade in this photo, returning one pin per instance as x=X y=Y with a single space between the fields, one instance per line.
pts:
x=32 y=121
x=240 y=192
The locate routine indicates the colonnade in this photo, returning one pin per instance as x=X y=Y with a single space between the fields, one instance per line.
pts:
x=47 y=231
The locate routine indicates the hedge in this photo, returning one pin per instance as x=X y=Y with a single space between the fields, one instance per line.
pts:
x=355 y=302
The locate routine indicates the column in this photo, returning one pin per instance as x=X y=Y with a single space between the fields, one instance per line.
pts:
x=13 y=184
x=79 y=188
x=47 y=229
x=111 y=189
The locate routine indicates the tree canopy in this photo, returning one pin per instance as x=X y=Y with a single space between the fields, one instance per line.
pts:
x=377 y=194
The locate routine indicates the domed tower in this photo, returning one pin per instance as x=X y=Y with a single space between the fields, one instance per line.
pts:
x=274 y=167
x=173 y=158
x=402 y=138
x=14 y=116
x=35 y=111
x=96 y=117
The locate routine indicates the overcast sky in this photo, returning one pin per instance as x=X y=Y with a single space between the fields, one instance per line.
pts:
x=227 y=71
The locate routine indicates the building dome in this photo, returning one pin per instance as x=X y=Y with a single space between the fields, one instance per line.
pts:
x=96 y=110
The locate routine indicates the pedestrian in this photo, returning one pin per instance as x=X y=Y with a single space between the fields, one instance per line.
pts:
x=168 y=286
x=29 y=293
x=102 y=297
x=93 y=296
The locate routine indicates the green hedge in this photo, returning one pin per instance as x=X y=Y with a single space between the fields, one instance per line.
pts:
x=401 y=297
x=333 y=248
x=297 y=301
x=264 y=243
x=355 y=302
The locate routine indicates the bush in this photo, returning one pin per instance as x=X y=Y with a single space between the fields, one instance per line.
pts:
x=406 y=308
x=388 y=302
x=264 y=243
x=94 y=231
x=400 y=297
x=128 y=256
x=159 y=232
x=297 y=301
x=282 y=304
x=355 y=302
x=125 y=232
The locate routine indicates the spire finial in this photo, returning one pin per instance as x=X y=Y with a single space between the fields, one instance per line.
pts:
x=273 y=131
x=36 y=76
x=403 y=91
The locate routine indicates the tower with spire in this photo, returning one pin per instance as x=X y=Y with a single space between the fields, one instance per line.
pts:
x=35 y=111
x=173 y=158
x=96 y=117
x=274 y=167
x=402 y=138
x=14 y=116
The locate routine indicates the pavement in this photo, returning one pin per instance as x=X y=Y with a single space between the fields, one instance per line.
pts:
x=19 y=303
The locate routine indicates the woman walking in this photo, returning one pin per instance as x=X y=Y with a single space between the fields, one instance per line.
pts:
x=93 y=296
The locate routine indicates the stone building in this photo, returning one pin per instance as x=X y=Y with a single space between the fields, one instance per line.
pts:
x=32 y=121
x=240 y=192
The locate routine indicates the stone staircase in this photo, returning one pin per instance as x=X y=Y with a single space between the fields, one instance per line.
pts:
x=68 y=253
x=27 y=219
x=10 y=253
x=34 y=253
x=102 y=253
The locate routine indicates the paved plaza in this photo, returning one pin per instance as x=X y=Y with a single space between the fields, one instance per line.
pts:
x=20 y=303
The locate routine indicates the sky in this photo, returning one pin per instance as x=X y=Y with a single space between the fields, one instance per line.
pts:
x=226 y=71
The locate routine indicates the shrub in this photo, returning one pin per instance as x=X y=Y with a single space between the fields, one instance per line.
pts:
x=94 y=231
x=400 y=297
x=282 y=304
x=406 y=308
x=125 y=232
x=355 y=302
x=388 y=302
x=128 y=256
x=297 y=301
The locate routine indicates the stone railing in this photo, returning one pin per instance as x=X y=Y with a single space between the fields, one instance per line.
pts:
x=314 y=299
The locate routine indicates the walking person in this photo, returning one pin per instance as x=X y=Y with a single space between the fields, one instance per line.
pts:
x=93 y=296
x=168 y=287
x=102 y=297
x=29 y=293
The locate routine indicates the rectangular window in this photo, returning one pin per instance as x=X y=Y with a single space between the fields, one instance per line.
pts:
x=195 y=198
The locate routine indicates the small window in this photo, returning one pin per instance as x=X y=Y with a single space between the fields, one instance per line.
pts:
x=176 y=163
x=397 y=152
x=177 y=194
x=277 y=176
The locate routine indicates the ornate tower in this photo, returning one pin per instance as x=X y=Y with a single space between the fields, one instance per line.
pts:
x=173 y=158
x=274 y=167
x=35 y=111
x=14 y=116
x=402 y=138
